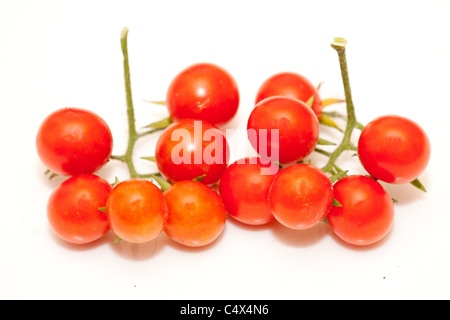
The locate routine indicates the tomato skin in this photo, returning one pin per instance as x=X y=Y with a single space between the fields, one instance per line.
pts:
x=136 y=210
x=394 y=149
x=293 y=85
x=297 y=124
x=72 y=209
x=244 y=188
x=183 y=152
x=300 y=196
x=367 y=211
x=196 y=213
x=72 y=141
x=203 y=91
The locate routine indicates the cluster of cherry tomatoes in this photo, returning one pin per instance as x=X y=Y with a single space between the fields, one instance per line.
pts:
x=192 y=155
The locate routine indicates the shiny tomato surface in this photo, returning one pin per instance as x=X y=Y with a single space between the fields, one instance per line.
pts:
x=283 y=129
x=244 y=188
x=366 y=213
x=196 y=213
x=72 y=141
x=189 y=149
x=136 y=210
x=73 y=209
x=394 y=149
x=203 y=91
x=300 y=196
x=290 y=84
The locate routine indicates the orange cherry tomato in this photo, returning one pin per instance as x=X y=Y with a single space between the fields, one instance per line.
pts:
x=196 y=213
x=136 y=210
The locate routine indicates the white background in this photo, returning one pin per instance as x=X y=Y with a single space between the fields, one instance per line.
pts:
x=55 y=54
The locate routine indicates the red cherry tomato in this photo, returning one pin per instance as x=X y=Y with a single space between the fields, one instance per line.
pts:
x=394 y=149
x=300 y=196
x=203 y=92
x=367 y=210
x=244 y=188
x=136 y=210
x=191 y=148
x=73 y=209
x=297 y=125
x=292 y=85
x=71 y=141
x=196 y=213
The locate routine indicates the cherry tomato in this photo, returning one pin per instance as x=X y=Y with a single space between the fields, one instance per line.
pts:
x=366 y=213
x=394 y=149
x=71 y=141
x=300 y=196
x=203 y=92
x=297 y=125
x=196 y=213
x=136 y=210
x=191 y=148
x=73 y=209
x=292 y=85
x=244 y=188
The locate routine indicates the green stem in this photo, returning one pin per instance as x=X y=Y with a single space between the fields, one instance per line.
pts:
x=132 y=134
x=163 y=183
x=321 y=151
x=339 y=45
x=416 y=183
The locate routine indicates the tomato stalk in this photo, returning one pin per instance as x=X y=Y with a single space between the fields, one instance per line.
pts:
x=133 y=135
x=339 y=45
